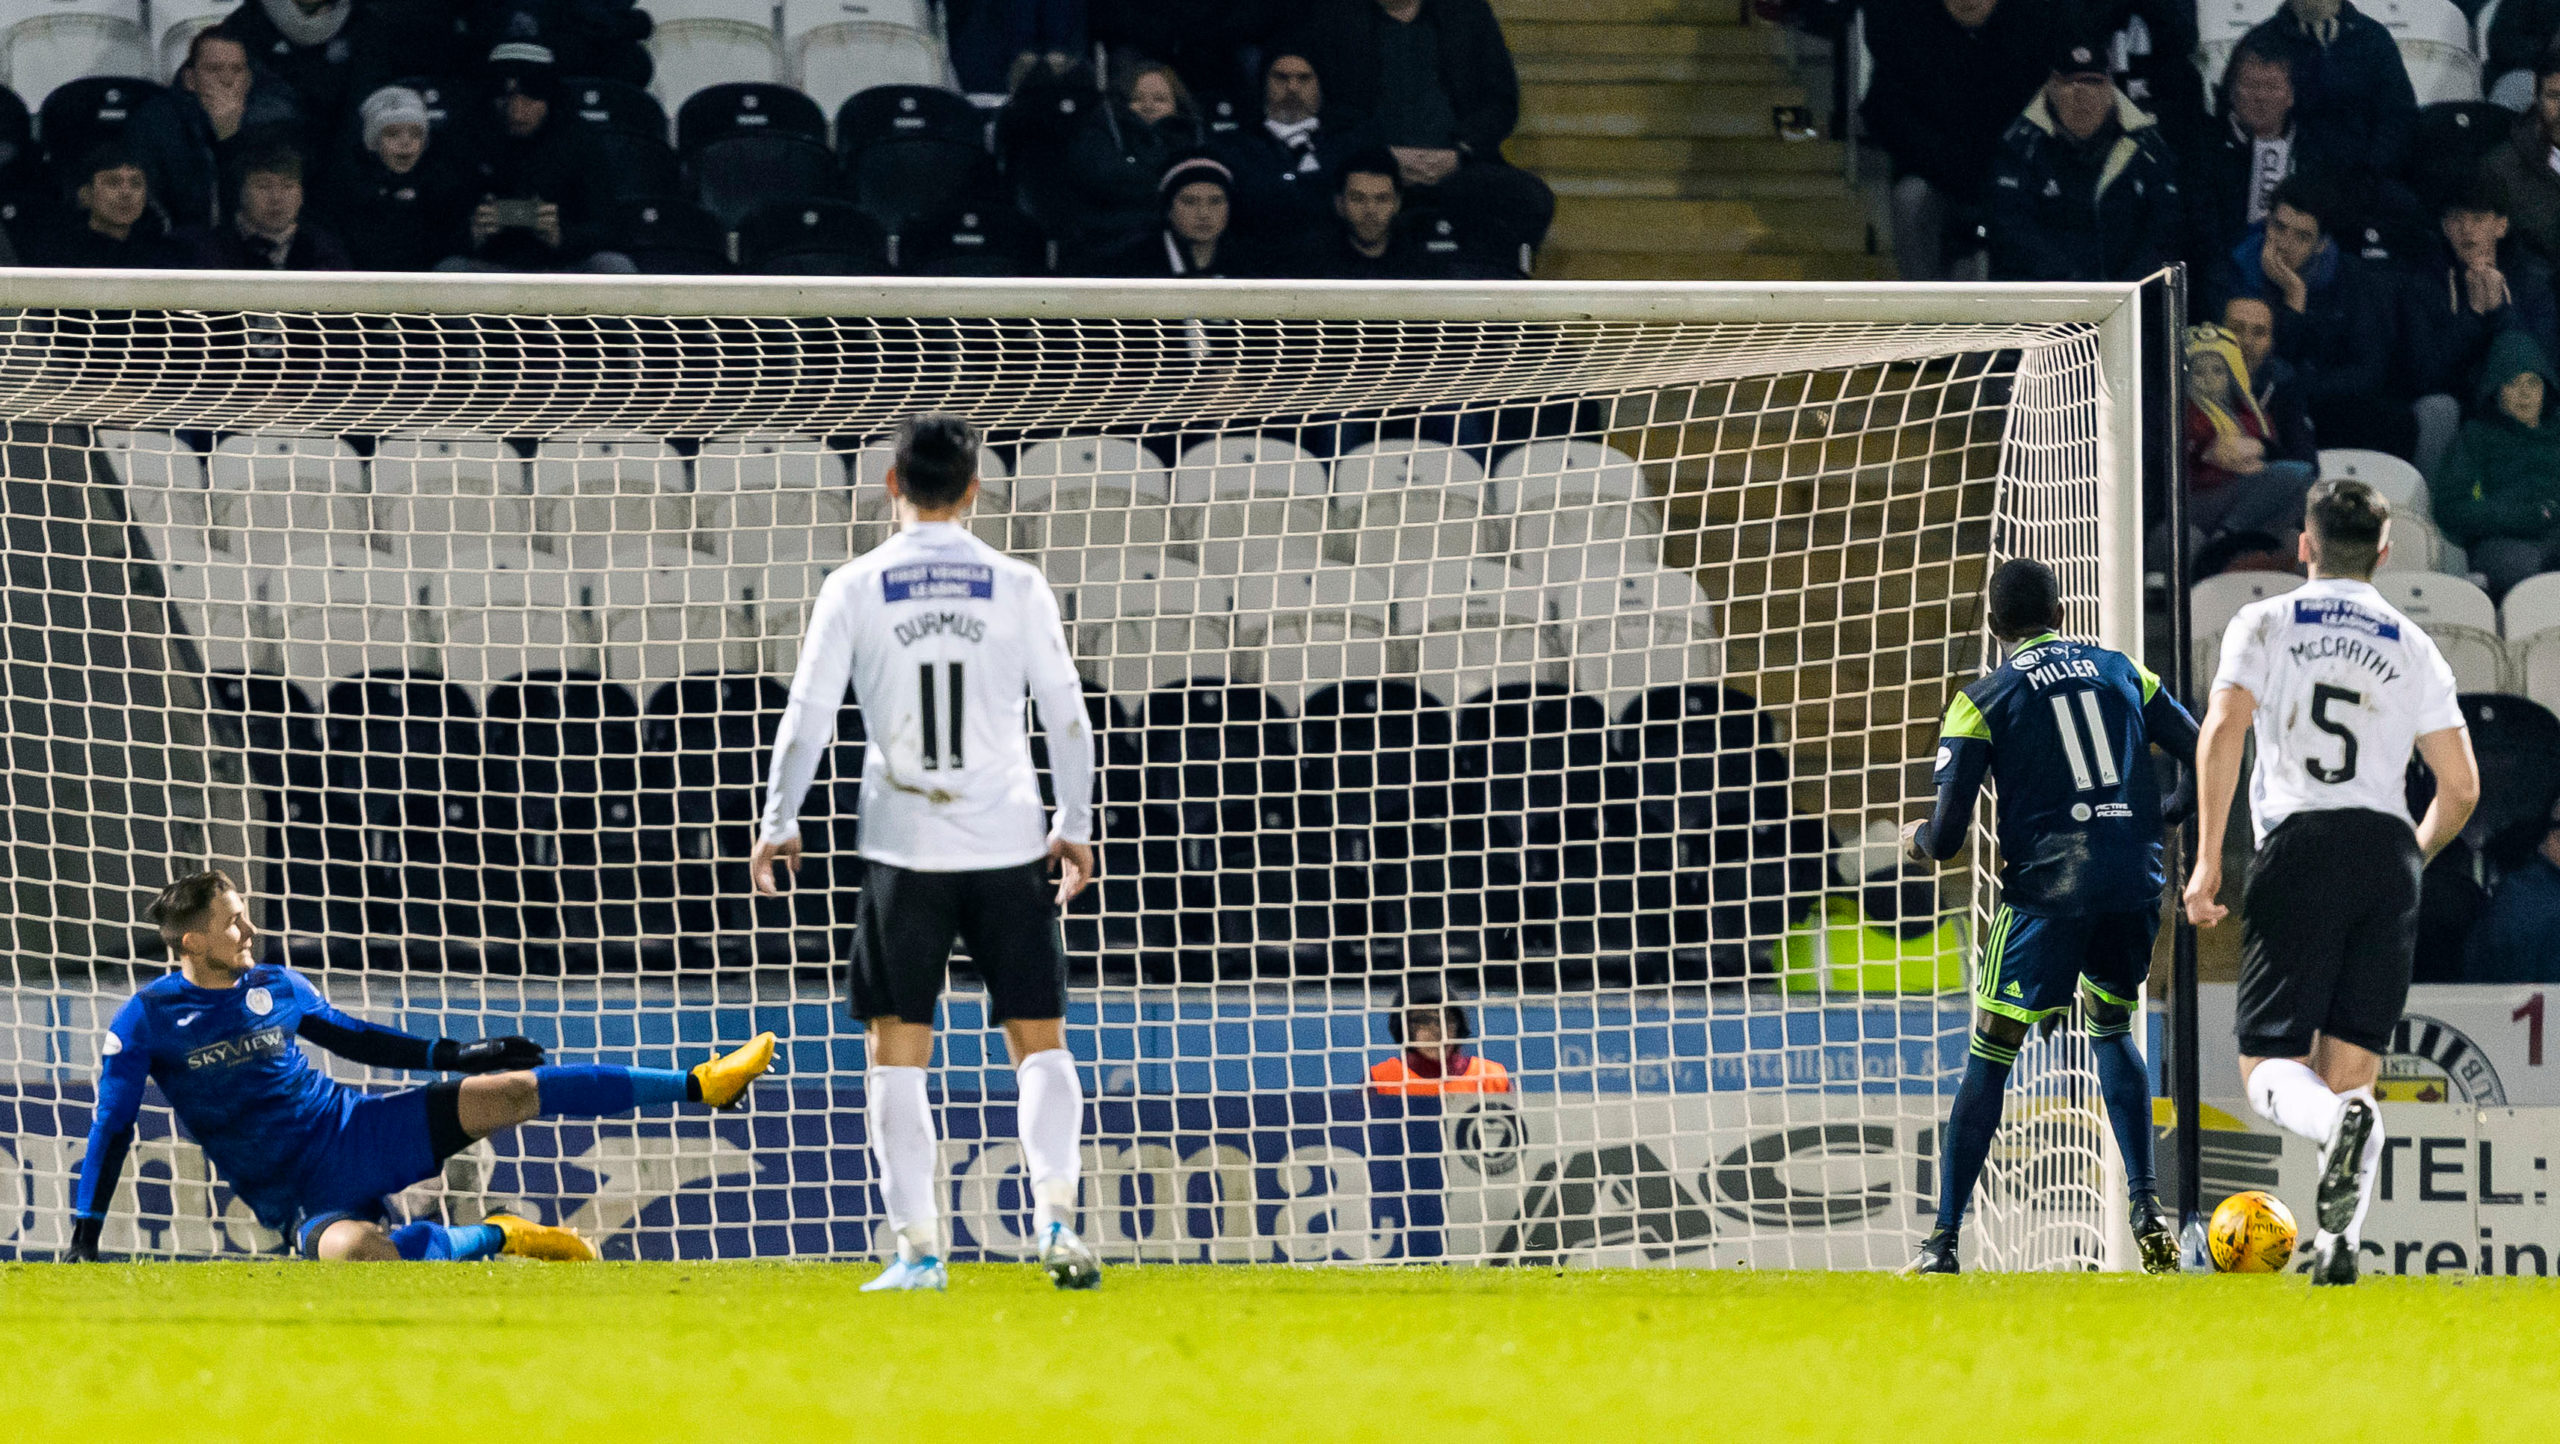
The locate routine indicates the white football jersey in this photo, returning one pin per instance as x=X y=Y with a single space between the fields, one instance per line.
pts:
x=2345 y=686
x=942 y=636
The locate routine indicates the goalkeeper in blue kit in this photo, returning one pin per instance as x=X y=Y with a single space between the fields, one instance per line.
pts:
x=313 y=1158
x=2065 y=729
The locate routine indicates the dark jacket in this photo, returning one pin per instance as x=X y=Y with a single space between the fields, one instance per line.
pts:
x=1272 y=196
x=1114 y=166
x=2279 y=392
x=2443 y=342
x=2512 y=941
x=2155 y=41
x=2339 y=344
x=2354 y=87
x=224 y=248
x=2502 y=479
x=1942 y=95
x=2218 y=178
x=1330 y=256
x=173 y=140
x=557 y=163
x=2104 y=209
x=1342 y=39
x=379 y=43
x=2518 y=34
x=70 y=243
x=2523 y=166
x=1158 y=256
x=399 y=222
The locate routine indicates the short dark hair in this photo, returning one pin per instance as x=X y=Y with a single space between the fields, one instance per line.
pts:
x=271 y=158
x=1375 y=160
x=2549 y=65
x=937 y=458
x=182 y=904
x=2026 y=598
x=2479 y=194
x=1421 y=998
x=202 y=38
x=2262 y=54
x=106 y=155
x=2308 y=197
x=2345 y=519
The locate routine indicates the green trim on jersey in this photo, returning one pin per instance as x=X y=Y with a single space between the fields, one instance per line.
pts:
x=1964 y=720
x=1986 y=989
x=2150 y=680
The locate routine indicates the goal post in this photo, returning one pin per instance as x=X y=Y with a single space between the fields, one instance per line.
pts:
x=1562 y=650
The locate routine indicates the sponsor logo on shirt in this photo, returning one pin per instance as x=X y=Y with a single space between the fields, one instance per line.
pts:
x=230 y=1052
x=2339 y=612
x=937 y=582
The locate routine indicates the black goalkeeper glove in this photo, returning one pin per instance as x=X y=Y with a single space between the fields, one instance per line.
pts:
x=84 y=1240
x=488 y=1055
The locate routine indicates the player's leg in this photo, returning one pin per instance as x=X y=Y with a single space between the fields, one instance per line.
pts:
x=2110 y=993
x=2293 y=923
x=2364 y=1009
x=1012 y=930
x=2010 y=997
x=385 y=1143
x=903 y=930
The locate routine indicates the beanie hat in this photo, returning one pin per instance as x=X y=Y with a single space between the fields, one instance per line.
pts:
x=1195 y=170
x=391 y=105
x=521 y=67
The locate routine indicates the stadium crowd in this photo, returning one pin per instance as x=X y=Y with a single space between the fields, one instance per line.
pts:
x=1347 y=138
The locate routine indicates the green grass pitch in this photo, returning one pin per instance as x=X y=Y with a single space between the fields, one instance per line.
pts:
x=718 y=1352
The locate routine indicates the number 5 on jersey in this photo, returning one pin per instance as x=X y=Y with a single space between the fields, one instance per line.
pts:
x=942 y=742
x=2322 y=694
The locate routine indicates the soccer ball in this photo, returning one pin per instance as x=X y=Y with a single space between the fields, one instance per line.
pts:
x=2252 y=1233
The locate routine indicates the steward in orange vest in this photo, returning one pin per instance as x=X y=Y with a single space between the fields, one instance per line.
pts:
x=1432 y=1062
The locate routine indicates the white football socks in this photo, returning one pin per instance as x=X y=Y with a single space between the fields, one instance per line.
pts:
x=900 y=1117
x=2289 y=1095
x=2371 y=1179
x=1051 y=1121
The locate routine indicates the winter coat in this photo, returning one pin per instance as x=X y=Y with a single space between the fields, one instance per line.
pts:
x=2217 y=168
x=1943 y=95
x=2518 y=34
x=400 y=222
x=2502 y=479
x=2354 y=87
x=2523 y=166
x=2443 y=342
x=378 y=44
x=2279 y=392
x=559 y=164
x=71 y=243
x=223 y=248
x=172 y=139
x=1114 y=166
x=1342 y=40
x=2339 y=344
x=2104 y=209
x=1272 y=196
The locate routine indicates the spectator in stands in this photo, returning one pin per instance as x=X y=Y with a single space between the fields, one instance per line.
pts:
x=2348 y=79
x=2524 y=166
x=2252 y=322
x=599 y=38
x=1117 y=162
x=1433 y=81
x=2520 y=34
x=2242 y=496
x=994 y=42
x=2082 y=188
x=2234 y=169
x=1366 y=241
x=399 y=206
x=2498 y=494
x=1950 y=77
x=1193 y=237
x=189 y=137
x=1288 y=167
x=2332 y=316
x=331 y=53
x=542 y=200
x=2151 y=47
x=1434 y=1060
x=2512 y=942
x=115 y=225
x=266 y=231
x=2478 y=282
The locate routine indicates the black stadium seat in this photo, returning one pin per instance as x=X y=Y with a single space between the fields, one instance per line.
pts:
x=910 y=151
x=703 y=744
x=277 y=729
x=561 y=764
x=667 y=237
x=614 y=105
x=1220 y=774
x=81 y=113
x=1374 y=776
x=405 y=748
x=746 y=144
x=988 y=239
x=809 y=237
x=1033 y=131
x=629 y=131
x=1533 y=773
x=2453 y=137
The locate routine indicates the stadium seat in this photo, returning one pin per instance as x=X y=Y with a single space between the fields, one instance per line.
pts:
x=1249 y=467
x=342 y=610
x=1469 y=249
x=1078 y=491
x=450 y=485
x=990 y=239
x=911 y=151
x=774 y=499
x=991 y=518
x=1376 y=762
x=1312 y=630
x=840 y=48
x=1719 y=853
x=19 y=157
x=2530 y=618
x=812 y=237
x=704 y=739
x=164 y=493
x=2453 y=138
x=669 y=237
x=1033 y=132
x=2461 y=619
x=405 y=747
x=1546 y=475
x=1399 y=465
x=2517 y=743
x=79 y=40
x=1220 y=781
x=1526 y=816
x=2416 y=546
x=499 y=609
x=746 y=145
x=2434 y=37
x=1481 y=626
x=697 y=44
x=275 y=728
x=1643 y=629
x=628 y=129
x=1422 y=525
x=666 y=613
x=615 y=107
x=74 y=113
x=2213 y=602
x=2220 y=27
x=276 y=491
x=592 y=491
x=560 y=806
x=1140 y=618
x=175 y=23
x=2398 y=481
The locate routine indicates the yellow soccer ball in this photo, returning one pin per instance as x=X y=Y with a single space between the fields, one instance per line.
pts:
x=2252 y=1233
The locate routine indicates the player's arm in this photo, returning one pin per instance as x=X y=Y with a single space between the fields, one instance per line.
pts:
x=122 y=1072
x=2219 y=750
x=808 y=730
x=1964 y=760
x=1060 y=695
x=2172 y=729
x=376 y=1046
x=2448 y=755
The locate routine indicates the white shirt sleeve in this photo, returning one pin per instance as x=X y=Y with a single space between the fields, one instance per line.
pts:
x=2439 y=700
x=1060 y=695
x=809 y=723
x=2244 y=655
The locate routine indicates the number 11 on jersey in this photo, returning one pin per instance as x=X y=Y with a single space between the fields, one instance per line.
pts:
x=942 y=743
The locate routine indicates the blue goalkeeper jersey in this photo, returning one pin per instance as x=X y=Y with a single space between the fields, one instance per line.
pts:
x=2065 y=728
x=229 y=1062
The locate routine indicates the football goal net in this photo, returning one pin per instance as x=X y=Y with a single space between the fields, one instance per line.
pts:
x=1565 y=655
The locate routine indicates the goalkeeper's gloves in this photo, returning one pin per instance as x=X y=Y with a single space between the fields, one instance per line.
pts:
x=488 y=1055
x=84 y=1240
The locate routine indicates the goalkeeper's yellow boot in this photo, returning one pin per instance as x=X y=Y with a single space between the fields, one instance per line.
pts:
x=527 y=1239
x=724 y=1079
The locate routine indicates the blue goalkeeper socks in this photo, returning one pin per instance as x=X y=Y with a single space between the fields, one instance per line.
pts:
x=593 y=1090
x=2125 y=1085
x=1971 y=1123
x=424 y=1242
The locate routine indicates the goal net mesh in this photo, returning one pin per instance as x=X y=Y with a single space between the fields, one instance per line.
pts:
x=1578 y=673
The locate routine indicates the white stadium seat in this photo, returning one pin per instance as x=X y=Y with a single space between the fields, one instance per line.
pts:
x=502 y=609
x=773 y=499
x=666 y=612
x=991 y=518
x=176 y=22
x=1400 y=465
x=458 y=485
x=590 y=492
x=279 y=492
x=1639 y=628
x=70 y=41
x=701 y=43
x=2530 y=618
x=2416 y=546
x=1250 y=467
x=165 y=494
x=2397 y=480
x=771 y=604
x=2220 y=25
x=1324 y=626
x=839 y=48
x=2461 y=619
x=2435 y=44
x=1083 y=490
x=1547 y=474
x=1417 y=526
x=1140 y=617
x=347 y=610
x=1243 y=556
x=2213 y=602
x=1481 y=625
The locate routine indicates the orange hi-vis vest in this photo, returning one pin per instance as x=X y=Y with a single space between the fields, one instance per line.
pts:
x=1480 y=1075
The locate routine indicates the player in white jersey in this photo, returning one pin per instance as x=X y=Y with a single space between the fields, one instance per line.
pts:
x=2340 y=688
x=942 y=636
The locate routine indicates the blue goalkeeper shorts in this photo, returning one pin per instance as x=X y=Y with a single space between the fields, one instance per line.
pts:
x=2032 y=964
x=386 y=1143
